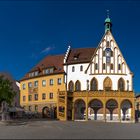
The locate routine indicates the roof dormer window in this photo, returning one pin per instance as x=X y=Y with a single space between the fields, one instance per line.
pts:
x=48 y=70
x=76 y=56
x=36 y=73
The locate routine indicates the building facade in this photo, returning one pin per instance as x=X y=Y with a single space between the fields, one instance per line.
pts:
x=84 y=84
x=99 y=82
x=39 y=87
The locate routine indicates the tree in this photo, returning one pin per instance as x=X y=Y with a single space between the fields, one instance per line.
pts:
x=7 y=95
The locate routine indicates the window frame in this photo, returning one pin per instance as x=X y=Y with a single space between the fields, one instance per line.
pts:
x=73 y=69
x=43 y=85
x=43 y=96
x=36 y=97
x=51 y=82
x=29 y=97
x=23 y=86
x=35 y=85
x=51 y=95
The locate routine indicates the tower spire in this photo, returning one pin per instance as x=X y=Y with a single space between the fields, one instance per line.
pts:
x=107 y=11
x=107 y=23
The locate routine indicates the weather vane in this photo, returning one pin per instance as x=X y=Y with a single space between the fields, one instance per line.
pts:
x=107 y=13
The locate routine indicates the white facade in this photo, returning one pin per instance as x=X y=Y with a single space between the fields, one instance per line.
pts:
x=102 y=68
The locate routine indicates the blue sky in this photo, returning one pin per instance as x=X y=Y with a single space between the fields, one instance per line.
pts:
x=30 y=30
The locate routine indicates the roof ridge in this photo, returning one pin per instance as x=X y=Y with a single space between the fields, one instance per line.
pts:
x=85 y=48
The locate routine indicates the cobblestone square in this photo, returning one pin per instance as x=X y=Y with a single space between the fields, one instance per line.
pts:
x=69 y=130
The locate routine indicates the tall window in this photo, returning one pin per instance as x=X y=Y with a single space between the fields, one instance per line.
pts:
x=30 y=97
x=43 y=83
x=51 y=82
x=59 y=81
x=111 y=67
x=29 y=84
x=111 y=53
x=121 y=85
x=119 y=66
x=24 y=98
x=77 y=86
x=107 y=43
x=93 y=84
x=127 y=85
x=107 y=84
x=103 y=53
x=36 y=83
x=104 y=66
x=43 y=96
x=23 y=86
x=51 y=95
x=36 y=73
x=73 y=69
x=36 y=97
x=81 y=68
x=96 y=66
x=71 y=86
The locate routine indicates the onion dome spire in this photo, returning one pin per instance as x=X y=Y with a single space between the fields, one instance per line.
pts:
x=108 y=23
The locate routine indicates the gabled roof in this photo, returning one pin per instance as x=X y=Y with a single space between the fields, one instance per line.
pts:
x=55 y=61
x=80 y=55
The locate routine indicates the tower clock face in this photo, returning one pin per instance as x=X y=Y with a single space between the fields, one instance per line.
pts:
x=108 y=54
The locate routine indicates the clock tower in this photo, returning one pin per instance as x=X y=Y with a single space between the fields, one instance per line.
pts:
x=108 y=24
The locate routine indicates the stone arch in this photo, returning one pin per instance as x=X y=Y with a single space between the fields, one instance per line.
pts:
x=49 y=112
x=112 y=107
x=107 y=84
x=71 y=86
x=121 y=84
x=46 y=112
x=77 y=86
x=126 y=108
x=79 y=109
x=94 y=84
x=95 y=109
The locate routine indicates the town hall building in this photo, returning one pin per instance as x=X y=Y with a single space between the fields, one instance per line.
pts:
x=82 y=84
x=99 y=82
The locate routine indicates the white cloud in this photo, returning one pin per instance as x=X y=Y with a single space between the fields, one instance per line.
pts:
x=47 y=49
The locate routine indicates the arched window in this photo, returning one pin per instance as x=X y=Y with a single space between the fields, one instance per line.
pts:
x=81 y=68
x=119 y=66
x=103 y=66
x=77 y=86
x=107 y=84
x=127 y=85
x=93 y=84
x=73 y=69
x=111 y=66
x=121 y=85
x=111 y=53
x=71 y=86
x=96 y=66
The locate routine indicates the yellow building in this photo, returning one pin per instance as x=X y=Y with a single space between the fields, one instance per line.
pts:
x=39 y=87
x=84 y=84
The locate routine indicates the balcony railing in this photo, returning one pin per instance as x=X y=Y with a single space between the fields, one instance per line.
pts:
x=100 y=93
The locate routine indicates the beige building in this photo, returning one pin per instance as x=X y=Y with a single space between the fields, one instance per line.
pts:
x=39 y=87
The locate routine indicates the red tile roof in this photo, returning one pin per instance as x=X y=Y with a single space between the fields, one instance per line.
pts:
x=80 y=55
x=55 y=61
